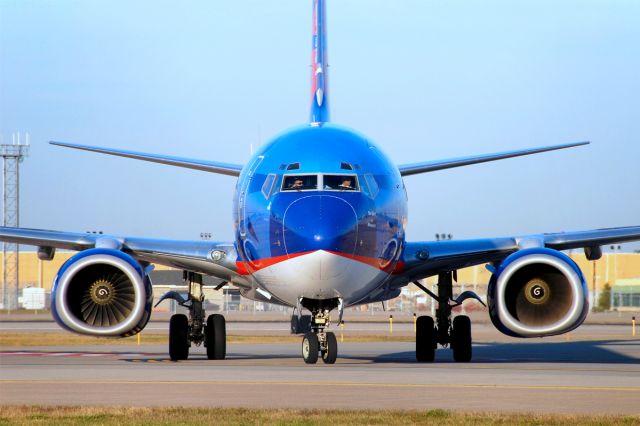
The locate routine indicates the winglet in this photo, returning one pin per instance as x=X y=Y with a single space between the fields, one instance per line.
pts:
x=319 y=66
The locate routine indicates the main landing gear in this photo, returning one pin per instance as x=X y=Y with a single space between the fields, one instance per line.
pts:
x=317 y=343
x=456 y=333
x=183 y=330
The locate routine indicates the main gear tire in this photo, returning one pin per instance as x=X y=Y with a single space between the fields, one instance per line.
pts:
x=426 y=339
x=216 y=337
x=461 y=339
x=179 y=337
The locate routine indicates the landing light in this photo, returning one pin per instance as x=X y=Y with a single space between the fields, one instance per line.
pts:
x=422 y=254
x=317 y=237
x=217 y=255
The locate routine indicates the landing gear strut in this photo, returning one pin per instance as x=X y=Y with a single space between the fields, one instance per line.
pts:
x=318 y=343
x=184 y=331
x=456 y=333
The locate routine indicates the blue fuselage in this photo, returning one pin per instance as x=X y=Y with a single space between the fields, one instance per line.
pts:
x=319 y=189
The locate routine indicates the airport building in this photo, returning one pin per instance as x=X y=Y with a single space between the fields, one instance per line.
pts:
x=620 y=271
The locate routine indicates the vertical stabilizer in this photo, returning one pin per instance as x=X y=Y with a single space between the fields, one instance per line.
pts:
x=319 y=85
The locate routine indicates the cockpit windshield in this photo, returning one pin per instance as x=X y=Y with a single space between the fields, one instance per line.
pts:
x=322 y=182
x=300 y=183
x=340 y=182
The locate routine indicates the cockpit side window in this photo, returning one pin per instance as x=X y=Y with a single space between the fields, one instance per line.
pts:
x=300 y=183
x=346 y=166
x=267 y=187
x=340 y=183
x=372 y=184
x=293 y=166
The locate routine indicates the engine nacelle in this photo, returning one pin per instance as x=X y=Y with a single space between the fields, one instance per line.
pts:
x=537 y=292
x=102 y=292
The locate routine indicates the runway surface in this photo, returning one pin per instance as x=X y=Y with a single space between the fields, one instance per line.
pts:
x=482 y=331
x=557 y=376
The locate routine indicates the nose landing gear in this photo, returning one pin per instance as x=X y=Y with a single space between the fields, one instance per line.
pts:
x=318 y=343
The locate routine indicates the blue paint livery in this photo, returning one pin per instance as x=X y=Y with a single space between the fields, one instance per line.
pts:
x=287 y=223
x=319 y=66
x=332 y=241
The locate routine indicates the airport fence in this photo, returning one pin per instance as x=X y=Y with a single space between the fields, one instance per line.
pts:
x=227 y=300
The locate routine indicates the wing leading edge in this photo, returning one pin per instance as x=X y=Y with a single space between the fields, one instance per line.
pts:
x=432 y=166
x=207 y=257
x=207 y=166
x=425 y=259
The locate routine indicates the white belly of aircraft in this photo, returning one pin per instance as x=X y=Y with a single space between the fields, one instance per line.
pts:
x=320 y=275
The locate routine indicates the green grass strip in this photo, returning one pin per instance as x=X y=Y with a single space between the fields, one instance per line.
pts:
x=36 y=415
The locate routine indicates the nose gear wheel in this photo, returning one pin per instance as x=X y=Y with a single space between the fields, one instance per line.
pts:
x=318 y=343
x=310 y=348
x=330 y=353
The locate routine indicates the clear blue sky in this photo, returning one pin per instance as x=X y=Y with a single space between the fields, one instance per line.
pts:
x=424 y=79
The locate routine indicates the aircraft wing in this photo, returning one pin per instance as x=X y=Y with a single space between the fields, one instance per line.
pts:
x=424 y=259
x=188 y=163
x=432 y=166
x=213 y=258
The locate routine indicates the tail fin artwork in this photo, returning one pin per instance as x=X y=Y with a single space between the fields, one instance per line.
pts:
x=319 y=85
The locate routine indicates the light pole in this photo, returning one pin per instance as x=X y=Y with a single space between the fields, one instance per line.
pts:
x=439 y=237
x=616 y=251
x=595 y=287
x=615 y=268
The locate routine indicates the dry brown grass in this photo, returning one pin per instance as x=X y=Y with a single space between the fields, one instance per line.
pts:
x=17 y=339
x=34 y=415
x=13 y=339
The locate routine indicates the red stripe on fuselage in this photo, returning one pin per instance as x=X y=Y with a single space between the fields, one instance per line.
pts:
x=246 y=268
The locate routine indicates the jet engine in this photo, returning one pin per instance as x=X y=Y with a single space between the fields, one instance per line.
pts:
x=537 y=292
x=102 y=292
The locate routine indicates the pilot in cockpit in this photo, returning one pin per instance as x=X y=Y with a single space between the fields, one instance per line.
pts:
x=297 y=184
x=346 y=184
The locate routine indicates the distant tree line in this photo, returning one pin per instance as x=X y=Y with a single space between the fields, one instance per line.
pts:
x=604 y=301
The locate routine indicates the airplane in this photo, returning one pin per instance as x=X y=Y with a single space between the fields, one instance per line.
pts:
x=320 y=214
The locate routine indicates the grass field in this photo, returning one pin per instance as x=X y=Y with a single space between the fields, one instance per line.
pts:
x=16 y=339
x=24 y=415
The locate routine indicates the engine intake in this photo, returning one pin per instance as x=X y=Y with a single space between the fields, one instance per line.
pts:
x=102 y=292
x=537 y=292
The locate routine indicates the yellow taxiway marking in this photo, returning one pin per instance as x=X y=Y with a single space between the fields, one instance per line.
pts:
x=240 y=363
x=318 y=383
x=518 y=368
x=278 y=363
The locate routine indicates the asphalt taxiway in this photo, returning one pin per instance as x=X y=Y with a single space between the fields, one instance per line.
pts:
x=583 y=375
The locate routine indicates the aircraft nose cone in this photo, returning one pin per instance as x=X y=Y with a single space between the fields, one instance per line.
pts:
x=320 y=222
